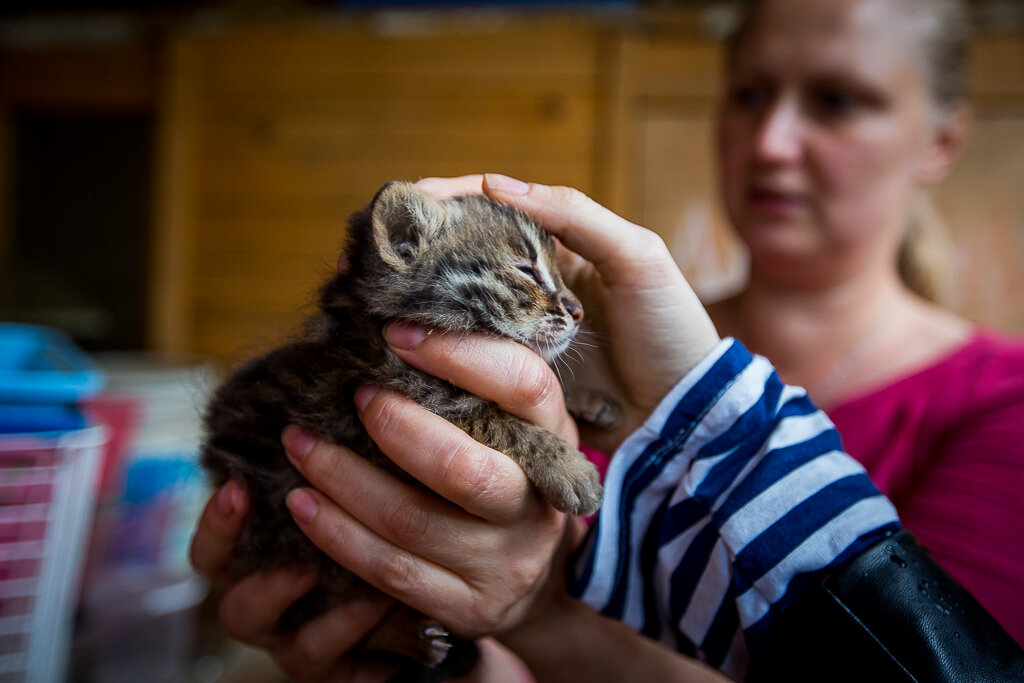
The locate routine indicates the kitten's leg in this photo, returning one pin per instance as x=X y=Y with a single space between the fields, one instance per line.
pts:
x=595 y=408
x=563 y=474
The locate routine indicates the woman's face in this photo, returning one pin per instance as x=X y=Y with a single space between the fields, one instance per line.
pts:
x=827 y=131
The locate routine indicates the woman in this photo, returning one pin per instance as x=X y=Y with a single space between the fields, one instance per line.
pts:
x=827 y=141
x=834 y=123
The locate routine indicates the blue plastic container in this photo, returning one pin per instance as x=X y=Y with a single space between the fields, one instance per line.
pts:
x=43 y=376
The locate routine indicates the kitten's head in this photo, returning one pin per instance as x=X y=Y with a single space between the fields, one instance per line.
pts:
x=462 y=264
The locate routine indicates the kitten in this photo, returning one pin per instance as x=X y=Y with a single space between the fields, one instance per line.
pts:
x=463 y=264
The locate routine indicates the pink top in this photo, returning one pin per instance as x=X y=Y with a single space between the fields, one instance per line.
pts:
x=946 y=445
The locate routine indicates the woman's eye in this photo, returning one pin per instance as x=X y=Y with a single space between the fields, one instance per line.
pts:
x=836 y=103
x=749 y=97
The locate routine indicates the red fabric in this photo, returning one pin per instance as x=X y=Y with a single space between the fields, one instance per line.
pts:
x=599 y=458
x=946 y=445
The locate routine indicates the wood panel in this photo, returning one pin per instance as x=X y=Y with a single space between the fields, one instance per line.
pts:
x=997 y=69
x=292 y=127
x=115 y=78
x=679 y=200
x=982 y=205
x=175 y=199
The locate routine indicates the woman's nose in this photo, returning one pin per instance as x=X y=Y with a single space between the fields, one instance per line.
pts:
x=779 y=136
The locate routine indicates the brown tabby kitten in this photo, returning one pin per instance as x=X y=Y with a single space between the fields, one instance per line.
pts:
x=464 y=264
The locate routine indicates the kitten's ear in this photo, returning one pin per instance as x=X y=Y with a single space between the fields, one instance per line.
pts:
x=405 y=219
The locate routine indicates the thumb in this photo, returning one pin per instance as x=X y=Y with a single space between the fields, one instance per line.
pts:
x=623 y=252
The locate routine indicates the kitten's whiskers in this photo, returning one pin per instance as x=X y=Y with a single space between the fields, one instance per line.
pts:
x=576 y=355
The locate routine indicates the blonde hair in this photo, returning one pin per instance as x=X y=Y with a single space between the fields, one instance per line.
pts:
x=926 y=260
x=926 y=255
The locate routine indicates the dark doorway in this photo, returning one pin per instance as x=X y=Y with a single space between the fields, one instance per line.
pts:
x=79 y=226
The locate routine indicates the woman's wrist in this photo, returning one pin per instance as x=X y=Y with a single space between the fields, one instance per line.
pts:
x=532 y=640
x=568 y=641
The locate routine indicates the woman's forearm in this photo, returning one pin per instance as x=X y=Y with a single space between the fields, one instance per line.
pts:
x=571 y=642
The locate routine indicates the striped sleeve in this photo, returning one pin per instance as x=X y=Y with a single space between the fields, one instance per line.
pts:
x=717 y=511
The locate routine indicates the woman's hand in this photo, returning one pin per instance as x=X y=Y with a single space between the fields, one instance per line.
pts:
x=475 y=555
x=645 y=313
x=319 y=651
x=482 y=557
x=251 y=608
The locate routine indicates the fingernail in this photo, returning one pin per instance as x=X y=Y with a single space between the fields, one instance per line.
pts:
x=302 y=505
x=503 y=183
x=364 y=394
x=297 y=442
x=404 y=335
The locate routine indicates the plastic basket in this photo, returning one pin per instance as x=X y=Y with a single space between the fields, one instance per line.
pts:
x=47 y=492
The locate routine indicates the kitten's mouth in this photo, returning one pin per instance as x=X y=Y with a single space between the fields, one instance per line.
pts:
x=550 y=346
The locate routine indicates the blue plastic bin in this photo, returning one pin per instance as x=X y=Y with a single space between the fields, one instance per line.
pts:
x=43 y=375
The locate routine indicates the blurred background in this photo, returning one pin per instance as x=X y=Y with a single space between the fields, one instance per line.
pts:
x=175 y=179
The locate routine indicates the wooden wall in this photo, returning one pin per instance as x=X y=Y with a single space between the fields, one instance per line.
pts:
x=277 y=133
x=274 y=134
x=982 y=201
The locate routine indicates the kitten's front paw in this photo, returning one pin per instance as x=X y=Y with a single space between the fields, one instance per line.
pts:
x=572 y=485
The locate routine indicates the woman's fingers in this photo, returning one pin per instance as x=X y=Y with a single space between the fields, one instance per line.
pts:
x=622 y=251
x=657 y=326
x=421 y=549
x=319 y=648
x=478 y=592
x=583 y=225
x=217 y=530
x=498 y=370
x=250 y=611
x=395 y=570
x=497 y=664
x=446 y=188
x=482 y=482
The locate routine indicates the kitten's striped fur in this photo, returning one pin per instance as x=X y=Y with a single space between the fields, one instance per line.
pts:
x=461 y=265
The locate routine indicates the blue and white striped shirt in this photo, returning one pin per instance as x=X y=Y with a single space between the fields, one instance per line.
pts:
x=721 y=509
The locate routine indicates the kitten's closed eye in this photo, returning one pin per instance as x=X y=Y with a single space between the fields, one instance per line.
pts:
x=531 y=271
x=540 y=275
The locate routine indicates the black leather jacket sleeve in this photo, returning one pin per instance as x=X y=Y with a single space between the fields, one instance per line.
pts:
x=889 y=614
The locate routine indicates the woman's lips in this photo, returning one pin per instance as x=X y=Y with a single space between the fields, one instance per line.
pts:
x=775 y=202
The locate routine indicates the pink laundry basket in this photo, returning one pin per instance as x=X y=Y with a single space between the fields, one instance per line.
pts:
x=47 y=494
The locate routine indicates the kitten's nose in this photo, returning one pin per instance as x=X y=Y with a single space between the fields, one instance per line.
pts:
x=573 y=308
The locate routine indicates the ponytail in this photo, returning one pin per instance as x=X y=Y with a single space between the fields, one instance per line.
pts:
x=926 y=257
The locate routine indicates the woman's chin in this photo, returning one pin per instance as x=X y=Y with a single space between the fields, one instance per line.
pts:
x=784 y=241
